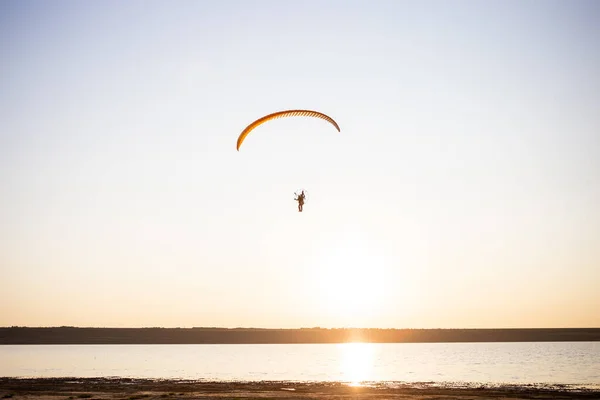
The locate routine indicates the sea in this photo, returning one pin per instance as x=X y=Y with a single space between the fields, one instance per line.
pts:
x=572 y=364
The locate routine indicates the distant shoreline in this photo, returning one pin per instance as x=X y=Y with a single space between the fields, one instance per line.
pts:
x=75 y=335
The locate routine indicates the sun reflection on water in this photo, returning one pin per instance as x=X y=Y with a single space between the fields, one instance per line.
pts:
x=356 y=362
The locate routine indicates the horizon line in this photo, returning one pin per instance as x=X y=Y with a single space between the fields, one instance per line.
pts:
x=282 y=329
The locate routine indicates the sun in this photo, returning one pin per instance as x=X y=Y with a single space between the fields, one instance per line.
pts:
x=350 y=275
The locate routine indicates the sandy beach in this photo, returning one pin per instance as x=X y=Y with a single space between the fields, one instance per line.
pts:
x=137 y=389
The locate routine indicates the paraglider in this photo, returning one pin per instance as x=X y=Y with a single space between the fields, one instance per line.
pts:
x=300 y=196
x=281 y=114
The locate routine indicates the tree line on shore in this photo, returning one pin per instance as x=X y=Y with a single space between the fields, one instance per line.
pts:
x=88 y=335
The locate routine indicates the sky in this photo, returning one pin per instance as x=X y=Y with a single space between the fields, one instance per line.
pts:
x=463 y=190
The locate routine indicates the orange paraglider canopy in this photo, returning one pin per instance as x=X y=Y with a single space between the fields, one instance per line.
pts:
x=281 y=114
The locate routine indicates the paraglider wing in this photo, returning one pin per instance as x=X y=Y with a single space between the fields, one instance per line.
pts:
x=281 y=114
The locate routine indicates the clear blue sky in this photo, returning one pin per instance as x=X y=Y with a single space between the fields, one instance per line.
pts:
x=462 y=191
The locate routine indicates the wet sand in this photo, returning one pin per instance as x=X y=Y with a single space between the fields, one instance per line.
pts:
x=150 y=389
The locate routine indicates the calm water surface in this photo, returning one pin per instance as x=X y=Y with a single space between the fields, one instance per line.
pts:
x=574 y=363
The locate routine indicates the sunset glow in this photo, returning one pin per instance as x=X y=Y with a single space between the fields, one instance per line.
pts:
x=357 y=362
x=459 y=186
x=351 y=278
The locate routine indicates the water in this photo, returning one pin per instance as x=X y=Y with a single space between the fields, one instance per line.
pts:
x=570 y=363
